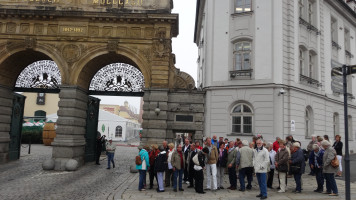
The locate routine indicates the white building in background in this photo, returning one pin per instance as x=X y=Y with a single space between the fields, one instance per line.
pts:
x=112 y=126
x=116 y=127
x=266 y=67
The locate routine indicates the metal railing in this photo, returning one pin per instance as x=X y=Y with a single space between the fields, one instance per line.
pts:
x=309 y=26
x=310 y=81
x=241 y=73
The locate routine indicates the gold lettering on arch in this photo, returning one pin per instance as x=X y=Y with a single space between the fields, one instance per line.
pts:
x=115 y=2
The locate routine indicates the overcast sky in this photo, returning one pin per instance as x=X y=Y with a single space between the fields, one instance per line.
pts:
x=183 y=47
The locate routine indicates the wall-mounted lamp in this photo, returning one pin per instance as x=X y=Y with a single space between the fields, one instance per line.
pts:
x=157 y=110
x=281 y=92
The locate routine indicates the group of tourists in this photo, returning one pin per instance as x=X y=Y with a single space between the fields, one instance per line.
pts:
x=173 y=166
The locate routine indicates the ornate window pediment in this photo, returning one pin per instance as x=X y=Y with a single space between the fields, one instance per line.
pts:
x=118 y=77
x=42 y=74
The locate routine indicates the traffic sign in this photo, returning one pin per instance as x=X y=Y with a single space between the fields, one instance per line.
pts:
x=351 y=69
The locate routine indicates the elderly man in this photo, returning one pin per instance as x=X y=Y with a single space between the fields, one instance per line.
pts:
x=215 y=141
x=190 y=165
x=110 y=149
x=211 y=170
x=297 y=165
x=244 y=162
x=310 y=151
x=186 y=150
x=231 y=163
x=328 y=170
x=260 y=163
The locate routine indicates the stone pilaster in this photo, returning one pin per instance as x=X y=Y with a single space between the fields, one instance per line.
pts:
x=6 y=96
x=70 y=141
x=154 y=125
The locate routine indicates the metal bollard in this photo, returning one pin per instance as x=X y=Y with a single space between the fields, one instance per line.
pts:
x=29 y=146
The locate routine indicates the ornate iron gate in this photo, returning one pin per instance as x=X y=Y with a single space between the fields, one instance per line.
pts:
x=16 y=126
x=91 y=128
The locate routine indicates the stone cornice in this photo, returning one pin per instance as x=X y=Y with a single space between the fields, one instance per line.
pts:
x=340 y=6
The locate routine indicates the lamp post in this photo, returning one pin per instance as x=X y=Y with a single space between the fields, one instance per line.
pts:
x=345 y=72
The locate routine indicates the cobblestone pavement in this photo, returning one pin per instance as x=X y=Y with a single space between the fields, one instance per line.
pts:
x=309 y=184
x=25 y=179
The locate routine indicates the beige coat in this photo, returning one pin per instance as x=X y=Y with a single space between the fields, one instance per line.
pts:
x=213 y=156
x=246 y=157
x=176 y=160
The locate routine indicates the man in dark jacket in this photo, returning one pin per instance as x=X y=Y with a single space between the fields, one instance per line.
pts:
x=159 y=167
x=298 y=163
x=190 y=164
x=221 y=165
x=316 y=164
x=100 y=140
x=186 y=150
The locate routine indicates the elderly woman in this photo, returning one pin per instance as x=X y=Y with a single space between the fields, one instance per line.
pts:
x=297 y=165
x=328 y=170
x=281 y=163
x=338 y=148
x=142 y=168
x=316 y=164
x=153 y=155
x=169 y=174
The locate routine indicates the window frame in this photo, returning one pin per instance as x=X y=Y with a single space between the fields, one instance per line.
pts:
x=243 y=114
x=241 y=54
x=117 y=132
x=244 y=7
x=309 y=122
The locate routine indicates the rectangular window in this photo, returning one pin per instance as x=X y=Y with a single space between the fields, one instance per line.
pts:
x=301 y=8
x=242 y=55
x=243 y=6
x=236 y=124
x=310 y=12
x=334 y=30
x=184 y=118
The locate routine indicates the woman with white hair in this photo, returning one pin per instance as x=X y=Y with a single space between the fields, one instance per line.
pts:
x=328 y=169
x=316 y=164
x=297 y=166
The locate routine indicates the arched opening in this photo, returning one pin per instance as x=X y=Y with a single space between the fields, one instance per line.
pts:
x=30 y=74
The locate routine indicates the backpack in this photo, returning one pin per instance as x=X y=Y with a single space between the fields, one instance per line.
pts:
x=335 y=162
x=138 y=160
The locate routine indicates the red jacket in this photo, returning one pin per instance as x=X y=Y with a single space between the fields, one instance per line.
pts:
x=275 y=146
x=152 y=156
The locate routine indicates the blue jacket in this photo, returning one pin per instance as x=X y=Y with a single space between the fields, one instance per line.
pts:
x=298 y=159
x=319 y=159
x=144 y=156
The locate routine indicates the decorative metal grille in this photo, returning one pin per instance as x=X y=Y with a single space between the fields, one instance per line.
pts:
x=118 y=77
x=42 y=74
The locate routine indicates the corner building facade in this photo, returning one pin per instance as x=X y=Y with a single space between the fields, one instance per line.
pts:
x=266 y=67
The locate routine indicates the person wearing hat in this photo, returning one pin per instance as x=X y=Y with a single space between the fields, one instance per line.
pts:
x=316 y=164
x=297 y=163
x=110 y=149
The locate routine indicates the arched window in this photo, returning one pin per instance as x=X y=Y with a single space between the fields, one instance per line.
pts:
x=242 y=54
x=309 y=122
x=118 y=131
x=242 y=119
x=336 y=124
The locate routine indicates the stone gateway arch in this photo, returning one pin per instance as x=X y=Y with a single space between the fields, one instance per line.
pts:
x=81 y=37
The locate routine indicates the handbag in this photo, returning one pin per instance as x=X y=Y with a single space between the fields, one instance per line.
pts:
x=282 y=168
x=138 y=160
x=335 y=162
x=295 y=169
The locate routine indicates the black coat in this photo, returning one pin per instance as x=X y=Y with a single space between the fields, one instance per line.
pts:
x=186 y=152
x=191 y=163
x=338 y=148
x=161 y=162
x=222 y=161
x=201 y=159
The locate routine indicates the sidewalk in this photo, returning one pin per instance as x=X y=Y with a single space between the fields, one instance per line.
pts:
x=309 y=184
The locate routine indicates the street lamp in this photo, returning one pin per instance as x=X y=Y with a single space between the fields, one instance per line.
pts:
x=157 y=110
